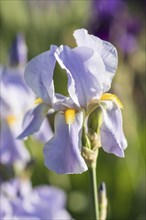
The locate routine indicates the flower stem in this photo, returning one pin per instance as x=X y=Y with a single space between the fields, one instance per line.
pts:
x=92 y=172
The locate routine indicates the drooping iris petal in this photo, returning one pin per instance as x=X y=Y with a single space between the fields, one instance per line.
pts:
x=45 y=132
x=103 y=49
x=39 y=75
x=33 y=120
x=11 y=149
x=62 y=152
x=111 y=131
x=81 y=65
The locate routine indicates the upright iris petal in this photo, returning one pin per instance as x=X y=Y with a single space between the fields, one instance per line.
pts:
x=105 y=50
x=39 y=75
x=62 y=152
x=76 y=63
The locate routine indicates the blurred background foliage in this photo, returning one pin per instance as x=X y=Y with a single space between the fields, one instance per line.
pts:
x=53 y=22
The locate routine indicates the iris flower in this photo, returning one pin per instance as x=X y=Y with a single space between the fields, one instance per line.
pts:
x=20 y=201
x=90 y=68
x=112 y=21
x=15 y=99
x=12 y=108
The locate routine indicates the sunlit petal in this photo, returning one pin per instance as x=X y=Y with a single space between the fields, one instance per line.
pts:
x=62 y=153
x=103 y=49
x=80 y=65
x=39 y=74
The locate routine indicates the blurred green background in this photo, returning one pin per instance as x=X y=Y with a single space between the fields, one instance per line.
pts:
x=53 y=22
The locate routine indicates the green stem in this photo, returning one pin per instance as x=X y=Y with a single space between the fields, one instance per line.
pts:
x=92 y=172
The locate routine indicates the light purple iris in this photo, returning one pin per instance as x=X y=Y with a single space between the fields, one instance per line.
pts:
x=12 y=107
x=20 y=201
x=15 y=99
x=90 y=68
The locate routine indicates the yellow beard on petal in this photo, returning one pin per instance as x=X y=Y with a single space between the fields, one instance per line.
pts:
x=38 y=101
x=69 y=116
x=111 y=97
x=11 y=119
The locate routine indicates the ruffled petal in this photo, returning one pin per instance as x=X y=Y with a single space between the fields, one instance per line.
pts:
x=33 y=120
x=80 y=65
x=103 y=49
x=62 y=153
x=39 y=75
x=111 y=131
x=71 y=82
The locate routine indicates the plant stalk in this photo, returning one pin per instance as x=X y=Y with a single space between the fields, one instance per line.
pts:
x=92 y=172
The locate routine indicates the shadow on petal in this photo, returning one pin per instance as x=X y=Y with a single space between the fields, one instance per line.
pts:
x=33 y=120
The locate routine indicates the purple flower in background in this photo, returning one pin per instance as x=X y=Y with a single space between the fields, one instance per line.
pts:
x=20 y=200
x=18 y=51
x=112 y=21
x=13 y=191
x=17 y=187
x=90 y=68
x=108 y=8
x=103 y=14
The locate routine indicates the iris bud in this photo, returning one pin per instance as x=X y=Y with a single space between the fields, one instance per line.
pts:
x=95 y=120
x=102 y=201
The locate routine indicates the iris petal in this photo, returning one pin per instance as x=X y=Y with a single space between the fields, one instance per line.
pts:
x=39 y=75
x=71 y=82
x=62 y=152
x=80 y=65
x=45 y=132
x=33 y=120
x=105 y=49
x=111 y=131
